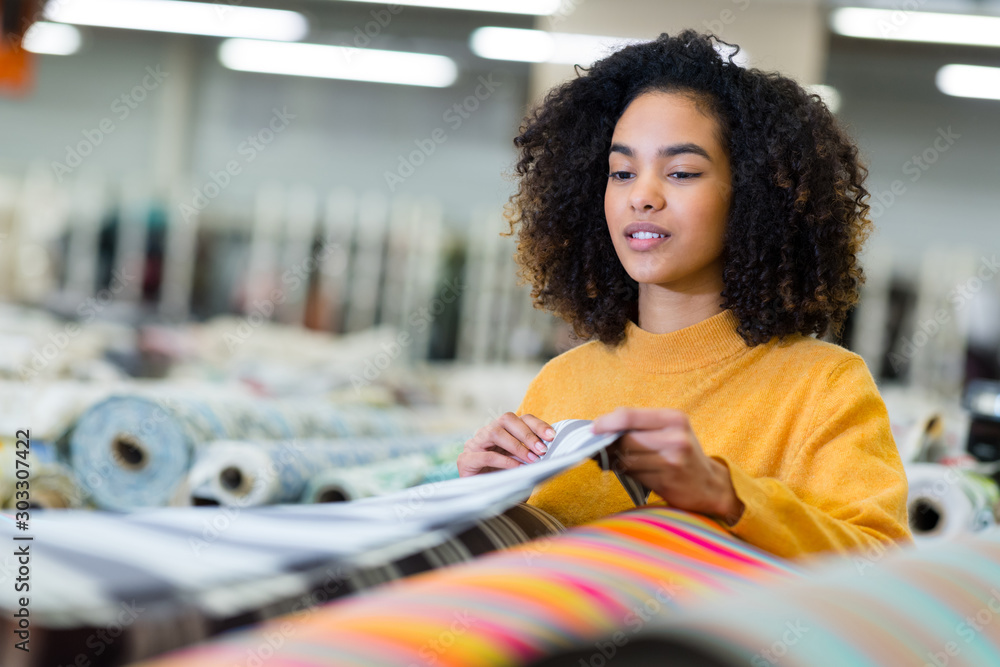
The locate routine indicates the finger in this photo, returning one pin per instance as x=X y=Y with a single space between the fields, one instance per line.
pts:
x=496 y=436
x=523 y=435
x=496 y=461
x=624 y=419
x=650 y=463
x=541 y=429
x=498 y=439
x=657 y=440
x=658 y=460
x=511 y=445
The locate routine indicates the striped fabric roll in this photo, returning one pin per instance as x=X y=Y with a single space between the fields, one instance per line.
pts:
x=134 y=451
x=934 y=606
x=158 y=583
x=516 y=606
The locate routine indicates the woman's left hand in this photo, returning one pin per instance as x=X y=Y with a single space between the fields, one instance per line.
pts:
x=661 y=451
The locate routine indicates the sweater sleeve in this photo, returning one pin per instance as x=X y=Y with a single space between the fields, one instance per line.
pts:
x=845 y=490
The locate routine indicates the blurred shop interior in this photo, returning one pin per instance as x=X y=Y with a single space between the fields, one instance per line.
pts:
x=212 y=195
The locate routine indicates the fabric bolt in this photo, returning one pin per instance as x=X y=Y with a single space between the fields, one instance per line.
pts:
x=134 y=451
x=194 y=570
x=937 y=606
x=269 y=472
x=946 y=501
x=799 y=423
x=377 y=477
x=50 y=483
x=164 y=582
x=524 y=603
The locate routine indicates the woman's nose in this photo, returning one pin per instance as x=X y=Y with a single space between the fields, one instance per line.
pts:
x=646 y=194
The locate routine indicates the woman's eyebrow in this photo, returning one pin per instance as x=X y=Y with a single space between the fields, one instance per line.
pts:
x=665 y=151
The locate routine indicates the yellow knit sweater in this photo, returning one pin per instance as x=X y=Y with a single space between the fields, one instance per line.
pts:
x=799 y=423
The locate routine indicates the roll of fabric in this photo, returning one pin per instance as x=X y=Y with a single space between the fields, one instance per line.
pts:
x=194 y=571
x=385 y=477
x=110 y=588
x=268 y=472
x=134 y=451
x=511 y=607
x=927 y=607
x=50 y=484
x=365 y=481
x=945 y=502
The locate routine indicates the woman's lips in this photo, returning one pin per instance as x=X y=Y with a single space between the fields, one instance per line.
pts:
x=646 y=244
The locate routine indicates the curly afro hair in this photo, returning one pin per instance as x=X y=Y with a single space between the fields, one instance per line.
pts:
x=797 y=216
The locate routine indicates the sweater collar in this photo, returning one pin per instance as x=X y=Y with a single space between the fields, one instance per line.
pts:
x=703 y=344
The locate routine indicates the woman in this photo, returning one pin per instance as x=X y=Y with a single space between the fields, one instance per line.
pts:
x=700 y=222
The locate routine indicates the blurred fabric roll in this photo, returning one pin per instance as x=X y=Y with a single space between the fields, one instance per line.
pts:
x=934 y=606
x=134 y=451
x=48 y=483
x=53 y=486
x=164 y=578
x=510 y=607
x=373 y=479
x=945 y=502
x=263 y=473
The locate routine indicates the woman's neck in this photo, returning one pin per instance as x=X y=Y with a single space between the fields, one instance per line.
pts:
x=663 y=310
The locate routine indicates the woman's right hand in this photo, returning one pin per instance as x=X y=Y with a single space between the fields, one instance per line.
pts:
x=493 y=446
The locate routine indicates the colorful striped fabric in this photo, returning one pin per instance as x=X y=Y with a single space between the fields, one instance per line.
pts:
x=513 y=607
x=929 y=607
x=107 y=589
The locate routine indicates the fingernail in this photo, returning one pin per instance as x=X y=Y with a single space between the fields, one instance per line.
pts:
x=550 y=432
x=540 y=447
x=532 y=456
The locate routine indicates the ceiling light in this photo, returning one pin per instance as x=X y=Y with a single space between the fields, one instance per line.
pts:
x=338 y=62
x=54 y=39
x=969 y=81
x=975 y=30
x=539 y=46
x=531 y=7
x=194 y=18
x=829 y=95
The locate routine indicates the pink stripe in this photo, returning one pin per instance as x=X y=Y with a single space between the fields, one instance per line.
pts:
x=731 y=553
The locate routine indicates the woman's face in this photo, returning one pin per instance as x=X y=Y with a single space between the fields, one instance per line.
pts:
x=669 y=175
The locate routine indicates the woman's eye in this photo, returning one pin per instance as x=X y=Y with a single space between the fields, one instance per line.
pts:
x=619 y=175
x=684 y=175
